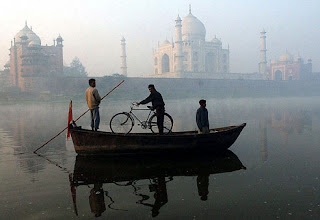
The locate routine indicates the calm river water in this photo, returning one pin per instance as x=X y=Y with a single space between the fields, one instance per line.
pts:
x=271 y=172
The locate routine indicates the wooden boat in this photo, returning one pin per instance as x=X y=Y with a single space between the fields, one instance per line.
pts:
x=100 y=142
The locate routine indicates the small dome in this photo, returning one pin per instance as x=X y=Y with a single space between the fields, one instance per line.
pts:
x=285 y=57
x=7 y=64
x=166 y=42
x=60 y=38
x=192 y=28
x=216 y=40
x=274 y=61
x=27 y=32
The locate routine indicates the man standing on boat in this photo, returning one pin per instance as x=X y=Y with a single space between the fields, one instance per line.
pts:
x=202 y=118
x=157 y=103
x=93 y=100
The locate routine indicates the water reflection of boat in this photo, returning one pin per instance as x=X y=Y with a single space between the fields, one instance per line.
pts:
x=91 y=142
x=126 y=171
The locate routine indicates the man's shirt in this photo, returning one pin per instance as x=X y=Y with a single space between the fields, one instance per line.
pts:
x=92 y=97
x=202 y=118
x=155 y=97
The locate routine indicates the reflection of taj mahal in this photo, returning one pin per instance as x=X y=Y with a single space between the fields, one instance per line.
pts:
x=190 y=55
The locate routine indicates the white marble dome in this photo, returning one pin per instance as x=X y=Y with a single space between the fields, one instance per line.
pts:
x=192 y=28
x=285 y=57
x=26 y=31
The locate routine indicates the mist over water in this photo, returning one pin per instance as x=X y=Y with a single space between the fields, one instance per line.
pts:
x=255 y=62
x=278 y=147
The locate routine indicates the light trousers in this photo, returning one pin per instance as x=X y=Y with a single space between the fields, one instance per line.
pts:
x=95 y=118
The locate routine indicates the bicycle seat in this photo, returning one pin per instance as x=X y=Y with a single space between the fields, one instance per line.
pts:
x=150 y=107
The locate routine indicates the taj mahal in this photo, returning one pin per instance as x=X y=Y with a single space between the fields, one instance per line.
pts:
x=190 y=55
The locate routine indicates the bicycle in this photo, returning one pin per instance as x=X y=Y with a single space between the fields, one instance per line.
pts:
x=123 y=122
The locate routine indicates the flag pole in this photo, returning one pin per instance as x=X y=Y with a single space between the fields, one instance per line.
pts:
x=70 y=117
x=35 y=151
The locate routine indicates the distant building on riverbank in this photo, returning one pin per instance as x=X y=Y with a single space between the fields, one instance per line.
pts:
x=31 y=64
x=284 y=68
x=190 y=56
x=288 y=67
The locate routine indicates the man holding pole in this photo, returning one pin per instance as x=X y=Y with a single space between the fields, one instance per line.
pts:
x=93 y=100
x=92 y=80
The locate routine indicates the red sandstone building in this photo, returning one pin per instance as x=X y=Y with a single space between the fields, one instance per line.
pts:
x=33 y=66
x=289 y=68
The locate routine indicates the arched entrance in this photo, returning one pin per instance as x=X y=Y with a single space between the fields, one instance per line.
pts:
x=278 y=75
x=209 y=62
x=165 y=64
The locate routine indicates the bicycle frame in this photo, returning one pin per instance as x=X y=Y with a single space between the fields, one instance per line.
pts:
x=124 y=121
x=138 y=109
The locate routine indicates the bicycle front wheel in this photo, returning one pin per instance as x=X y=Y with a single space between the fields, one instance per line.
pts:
x=121 y=123
x=167 y=123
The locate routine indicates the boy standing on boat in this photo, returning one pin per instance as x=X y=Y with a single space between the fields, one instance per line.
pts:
x=202 y=118
x=157 y=103
x=93 y=100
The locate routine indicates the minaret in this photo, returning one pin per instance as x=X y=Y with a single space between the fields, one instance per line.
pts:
x=59 y=55
x=178 y=47
x=123 y=57
x=263 y=53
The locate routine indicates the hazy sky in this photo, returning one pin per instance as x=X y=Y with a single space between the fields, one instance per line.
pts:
x=92 y=29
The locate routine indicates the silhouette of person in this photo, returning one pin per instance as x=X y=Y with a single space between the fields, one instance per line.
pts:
x=202 y=118
x=203 y=185
x=93 y=100
x=157 y=103
x=160 y=195
x=96 y=200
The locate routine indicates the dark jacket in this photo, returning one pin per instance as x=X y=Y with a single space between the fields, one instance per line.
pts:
x=202 y=118
x=155 y=97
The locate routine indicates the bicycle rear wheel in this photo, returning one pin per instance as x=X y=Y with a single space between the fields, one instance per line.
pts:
x=121 y=123
x=167 y=123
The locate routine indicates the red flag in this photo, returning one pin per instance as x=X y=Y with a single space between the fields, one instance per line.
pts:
x=69 y=117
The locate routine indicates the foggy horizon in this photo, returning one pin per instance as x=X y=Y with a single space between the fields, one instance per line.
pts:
x=92 y=30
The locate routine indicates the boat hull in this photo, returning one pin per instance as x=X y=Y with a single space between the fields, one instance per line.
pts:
x=98 y=142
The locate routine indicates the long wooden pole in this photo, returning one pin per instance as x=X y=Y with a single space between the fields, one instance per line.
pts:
x=76 y=119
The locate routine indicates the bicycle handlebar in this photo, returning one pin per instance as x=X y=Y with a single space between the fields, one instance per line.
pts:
x=133 y=104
